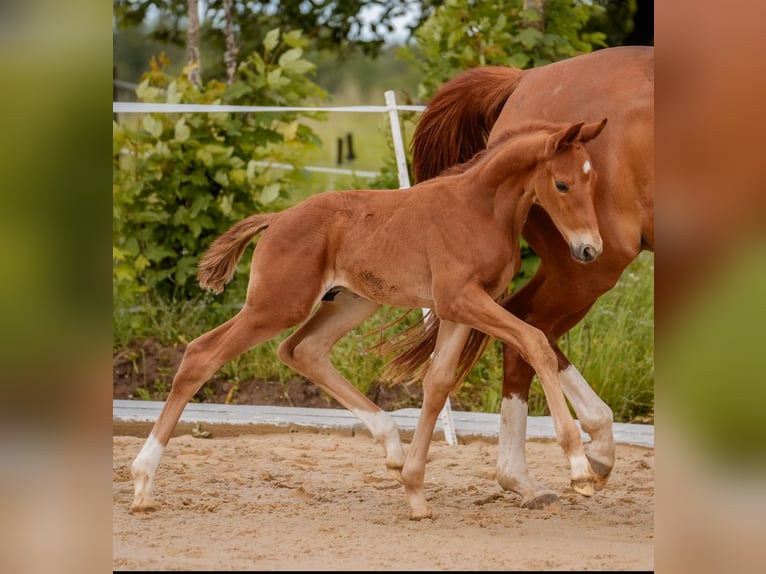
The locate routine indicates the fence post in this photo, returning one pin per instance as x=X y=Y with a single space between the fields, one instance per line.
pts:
x=448 y=425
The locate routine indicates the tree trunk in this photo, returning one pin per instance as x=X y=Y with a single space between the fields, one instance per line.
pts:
x=230 y=57
x=192 y=41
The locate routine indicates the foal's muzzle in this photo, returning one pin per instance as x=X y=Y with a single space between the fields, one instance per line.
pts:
x=584 y=252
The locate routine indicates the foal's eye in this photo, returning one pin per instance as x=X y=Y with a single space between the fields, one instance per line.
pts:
x=562 y=187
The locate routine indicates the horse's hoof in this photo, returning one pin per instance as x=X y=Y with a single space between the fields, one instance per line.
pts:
x=548 y=501
x=420 y=514
x=601 y=473
x=396 y=472
x=143 y=506
x=600 y=481
x=584 y=486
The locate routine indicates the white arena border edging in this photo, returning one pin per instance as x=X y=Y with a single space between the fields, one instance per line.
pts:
x=136 y=417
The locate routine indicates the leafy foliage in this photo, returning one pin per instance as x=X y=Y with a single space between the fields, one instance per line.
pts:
x=181 y=179
x=463 y=34
x=340 y=27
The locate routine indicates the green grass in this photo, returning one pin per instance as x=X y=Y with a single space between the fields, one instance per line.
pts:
x=613 y=347
x=370 y=132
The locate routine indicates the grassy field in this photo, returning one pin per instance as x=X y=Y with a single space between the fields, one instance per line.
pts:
x=370 y=133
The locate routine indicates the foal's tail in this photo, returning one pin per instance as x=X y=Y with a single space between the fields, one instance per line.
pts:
x=459 y=117
x=217 y=266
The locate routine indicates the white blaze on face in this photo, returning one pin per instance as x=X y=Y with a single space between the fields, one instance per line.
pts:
x=586 y=167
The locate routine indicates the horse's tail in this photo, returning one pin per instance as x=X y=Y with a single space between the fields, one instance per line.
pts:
x=418 y=345
x=217 y=266
x=459 y=117
x=454 y=127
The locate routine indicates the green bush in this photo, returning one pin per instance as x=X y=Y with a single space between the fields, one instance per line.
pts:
x=180 y=179
x=462 y=34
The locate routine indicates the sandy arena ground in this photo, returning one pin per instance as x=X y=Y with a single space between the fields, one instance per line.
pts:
x=324 y=501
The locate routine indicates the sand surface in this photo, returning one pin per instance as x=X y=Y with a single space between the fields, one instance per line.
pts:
x=324 y=501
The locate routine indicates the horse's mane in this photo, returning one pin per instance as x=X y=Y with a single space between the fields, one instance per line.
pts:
x=526 y=128
x=459 y=118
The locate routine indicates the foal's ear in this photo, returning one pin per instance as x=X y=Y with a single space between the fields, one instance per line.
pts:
x=590 y=131
x=565 y=138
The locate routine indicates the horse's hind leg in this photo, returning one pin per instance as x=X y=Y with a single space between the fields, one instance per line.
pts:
x=202 y=358
x=308 y=352
x=511 y=470
x=543 y=306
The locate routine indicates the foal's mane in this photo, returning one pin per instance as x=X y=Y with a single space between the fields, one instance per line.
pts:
x=527 y=128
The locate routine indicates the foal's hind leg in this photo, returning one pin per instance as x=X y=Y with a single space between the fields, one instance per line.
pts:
x=202 y=358
x=308 y=352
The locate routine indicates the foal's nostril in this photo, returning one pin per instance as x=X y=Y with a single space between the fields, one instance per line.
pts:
x=585 y=253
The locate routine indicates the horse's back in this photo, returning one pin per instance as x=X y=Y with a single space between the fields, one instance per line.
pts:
x=611 y=83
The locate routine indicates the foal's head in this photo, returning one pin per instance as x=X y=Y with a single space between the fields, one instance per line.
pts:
x=564 y=185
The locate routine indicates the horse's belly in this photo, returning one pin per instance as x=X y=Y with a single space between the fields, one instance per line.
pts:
x=387 y=289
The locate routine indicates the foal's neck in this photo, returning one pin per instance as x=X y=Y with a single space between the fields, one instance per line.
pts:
x=504 y=177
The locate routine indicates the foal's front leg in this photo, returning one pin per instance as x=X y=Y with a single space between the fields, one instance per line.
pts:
x=595 y=417
x=484 y=314
x=541 y=305
x=437 y=384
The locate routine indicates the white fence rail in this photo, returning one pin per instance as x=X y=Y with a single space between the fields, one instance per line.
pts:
x=391 y=107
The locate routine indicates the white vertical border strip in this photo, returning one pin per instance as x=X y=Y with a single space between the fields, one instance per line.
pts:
x=448 y=425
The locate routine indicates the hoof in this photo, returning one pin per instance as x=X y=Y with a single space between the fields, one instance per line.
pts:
x=396 y=471
x=143 y=506
x=549 y=502
x=420 y=514
x=600 y=481
x=143 y=500
x=601 y=473
x=584 y=487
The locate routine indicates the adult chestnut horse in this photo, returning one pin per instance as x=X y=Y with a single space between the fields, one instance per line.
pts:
x=479 y=105
x=449 y=244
